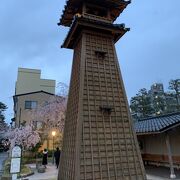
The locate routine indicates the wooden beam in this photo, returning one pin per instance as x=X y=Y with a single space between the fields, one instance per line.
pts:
x=160 y=158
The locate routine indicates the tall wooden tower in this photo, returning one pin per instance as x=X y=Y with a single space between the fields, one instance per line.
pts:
x=99 y=141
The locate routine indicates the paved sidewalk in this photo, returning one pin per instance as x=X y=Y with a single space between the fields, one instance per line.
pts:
x=151 y=177
x=160 y=173
x=50 y=174
x=153 y=173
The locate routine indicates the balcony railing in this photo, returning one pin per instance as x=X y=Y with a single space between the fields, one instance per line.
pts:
x=97 y=18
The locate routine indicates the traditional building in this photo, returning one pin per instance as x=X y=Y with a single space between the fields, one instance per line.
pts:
x=159 y=139
x=99 y=141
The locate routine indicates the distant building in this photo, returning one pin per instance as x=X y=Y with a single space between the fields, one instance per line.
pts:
x=158 y=100
x=157 y=89
x=161 y=102
x=30 y=92
x=24 y=103
x=29 y=80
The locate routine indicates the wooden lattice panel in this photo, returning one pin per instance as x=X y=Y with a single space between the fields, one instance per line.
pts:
x=108 y=144
x=99 y=142
x=68 y=157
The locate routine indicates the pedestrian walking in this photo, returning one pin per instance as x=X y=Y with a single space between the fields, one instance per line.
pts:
x=45 y=156
x=57 y=155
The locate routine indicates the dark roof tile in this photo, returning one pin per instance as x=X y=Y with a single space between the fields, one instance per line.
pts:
x=157 y=124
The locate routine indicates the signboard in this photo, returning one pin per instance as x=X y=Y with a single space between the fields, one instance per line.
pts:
x=14 y=176
x=16 y=152
x=15 y=165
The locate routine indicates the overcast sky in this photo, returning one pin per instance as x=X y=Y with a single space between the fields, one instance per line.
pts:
x=30 y=38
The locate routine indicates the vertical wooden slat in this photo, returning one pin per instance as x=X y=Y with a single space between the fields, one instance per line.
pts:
x=116 y=121
x=123 y=122
x=98 y=62
x=133 y=136
x=89 y=117
x=84 y=153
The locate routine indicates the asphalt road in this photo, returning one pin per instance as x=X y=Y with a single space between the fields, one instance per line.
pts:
x=3 y=156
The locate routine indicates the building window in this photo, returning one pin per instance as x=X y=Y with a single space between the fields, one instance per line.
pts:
x=38 y=125
x=30 y=104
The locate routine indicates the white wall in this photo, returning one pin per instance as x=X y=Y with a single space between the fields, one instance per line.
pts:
x=156 y=144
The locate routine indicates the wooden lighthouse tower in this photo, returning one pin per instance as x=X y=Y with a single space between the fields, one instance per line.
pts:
x=99 y=141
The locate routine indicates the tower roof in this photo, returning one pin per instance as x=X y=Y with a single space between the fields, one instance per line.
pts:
x=72 y=7
x=115 y=30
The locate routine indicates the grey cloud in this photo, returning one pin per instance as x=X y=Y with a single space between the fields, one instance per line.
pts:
x=30 y=37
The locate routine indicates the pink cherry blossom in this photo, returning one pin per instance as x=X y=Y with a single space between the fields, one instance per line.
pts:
x=25 y=136
x=51 y=114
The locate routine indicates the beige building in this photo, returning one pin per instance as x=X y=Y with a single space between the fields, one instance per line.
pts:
x=25 y=103
x=31 y=92
x=29 y=80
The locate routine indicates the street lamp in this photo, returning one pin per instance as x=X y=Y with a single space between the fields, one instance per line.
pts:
x=53 y=135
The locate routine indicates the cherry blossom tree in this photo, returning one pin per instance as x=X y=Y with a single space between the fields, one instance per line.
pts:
x=62 y=89
x=51 y=115
x=25 y=136
x=47 y=117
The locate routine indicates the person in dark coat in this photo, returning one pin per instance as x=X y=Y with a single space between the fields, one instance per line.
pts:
x=45 y=155
x=57 y=155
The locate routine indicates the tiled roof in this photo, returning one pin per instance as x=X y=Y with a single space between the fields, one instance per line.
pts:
x=72 y=7
x=157 y=124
